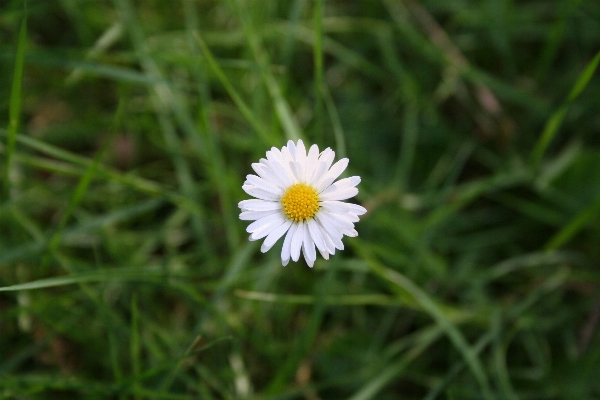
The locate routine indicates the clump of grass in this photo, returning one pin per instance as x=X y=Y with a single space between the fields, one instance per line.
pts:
x=130 y=127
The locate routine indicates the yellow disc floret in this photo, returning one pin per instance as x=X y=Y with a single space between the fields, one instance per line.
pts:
x=300 y=202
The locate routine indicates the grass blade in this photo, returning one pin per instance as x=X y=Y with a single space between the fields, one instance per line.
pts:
x=135 y=348
x=14 y=106
x=282 y=107
x=105 y=275
x=318 y=65
x=583 y=219
x=556 y=120
x=254 y=121
x=428 y=305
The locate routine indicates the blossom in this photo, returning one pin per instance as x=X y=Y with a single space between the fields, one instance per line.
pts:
x=295 y=195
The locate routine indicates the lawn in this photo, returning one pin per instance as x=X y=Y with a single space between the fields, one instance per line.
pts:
x=128 y=128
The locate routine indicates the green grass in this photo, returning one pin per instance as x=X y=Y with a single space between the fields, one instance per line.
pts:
x=127 y=129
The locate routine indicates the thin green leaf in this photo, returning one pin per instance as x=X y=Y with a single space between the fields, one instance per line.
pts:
x=282 y=107
x=402 y=283
x=130 y=180
x=254 y=121
x=14 y=106
x=318 y=65
x=116 y=274
x=584 y=218
x=556 y=120
x=135 y=348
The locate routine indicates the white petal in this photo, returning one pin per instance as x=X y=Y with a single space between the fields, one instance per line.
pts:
x=263 y=169
x=329 y=246
x=275 y=235
x=258 y=167
x=259 y=193
x=296 y=169
x=315 y=232
x=254 y=215
x=297 y=241
x=259 y=225
x=286 y=250
x=262 y=232
x=340 y=194
x=300 y=158
x=337 y=220
x=287 y=154
x=333 y=232
x=312 y=160
x=282 y=173
x=264 y=184
x=300 y=150
x=332 y=174
x=274 y=155
x=259 y=205
x=279 y=166
x=335 y=207
x=320 y=170
x=337 y=243
x=308 y=249
x=342 y=184
x=259 y=231
x=356 y=209
x=350 y=232
x=327 y=155
x=291 y=147
x=308 y=244
x=350 y=217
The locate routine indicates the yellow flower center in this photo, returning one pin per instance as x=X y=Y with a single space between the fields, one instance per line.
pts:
x=300 y=202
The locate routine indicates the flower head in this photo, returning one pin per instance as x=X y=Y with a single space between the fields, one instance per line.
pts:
x=295 y=193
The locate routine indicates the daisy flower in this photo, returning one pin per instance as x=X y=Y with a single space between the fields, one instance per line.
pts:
x=295 y=193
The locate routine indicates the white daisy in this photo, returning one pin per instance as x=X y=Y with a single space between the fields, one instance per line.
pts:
x=295 y=193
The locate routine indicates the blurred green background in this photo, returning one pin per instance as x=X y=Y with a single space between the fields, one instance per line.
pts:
x=127 y=128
